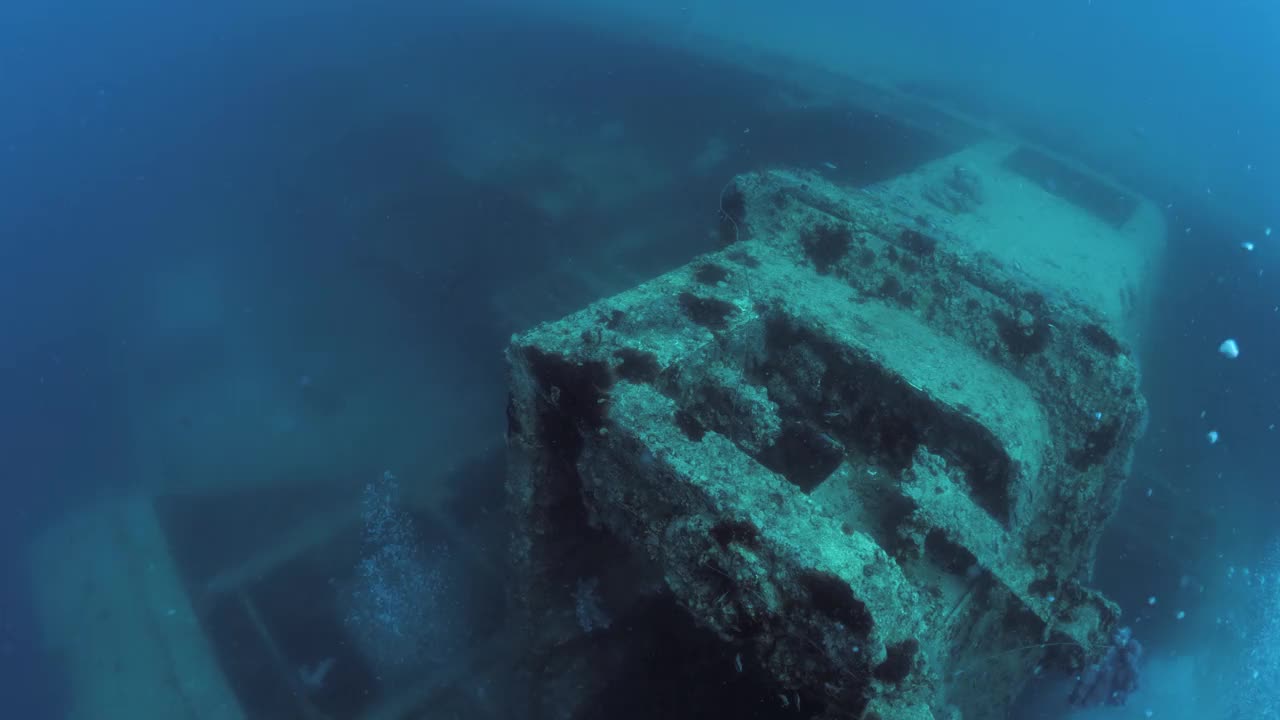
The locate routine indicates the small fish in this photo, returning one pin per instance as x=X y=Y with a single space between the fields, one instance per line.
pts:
x=1229 y=349
x=1248 y=246
x=830 y=165
x=313 y=676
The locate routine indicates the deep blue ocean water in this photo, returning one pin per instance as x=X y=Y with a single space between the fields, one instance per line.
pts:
x=208 y=214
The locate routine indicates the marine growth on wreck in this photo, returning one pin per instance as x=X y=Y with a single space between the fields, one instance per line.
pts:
x=858 y=455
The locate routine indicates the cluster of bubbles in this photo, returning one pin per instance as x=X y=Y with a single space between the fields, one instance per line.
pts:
x=1257 y=689
x=395 y=606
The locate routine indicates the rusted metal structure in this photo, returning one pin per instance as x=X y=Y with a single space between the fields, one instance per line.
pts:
x=866 y=454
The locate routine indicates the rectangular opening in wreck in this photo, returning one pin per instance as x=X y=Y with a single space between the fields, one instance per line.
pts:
x=840 y=408
x=275 y=583
x=246 y=586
